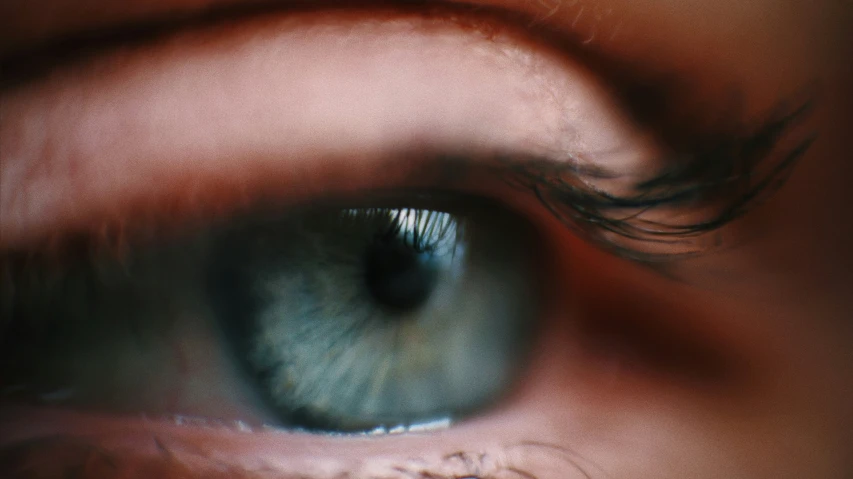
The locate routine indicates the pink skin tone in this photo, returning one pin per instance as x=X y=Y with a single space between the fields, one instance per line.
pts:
x=217 y=108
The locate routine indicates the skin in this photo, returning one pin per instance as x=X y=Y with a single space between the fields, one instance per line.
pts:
x=773 y=310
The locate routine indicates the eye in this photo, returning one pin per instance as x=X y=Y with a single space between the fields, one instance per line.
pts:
x=301 y=253
x=405 y=297
x=341 y=319
x=356 y=319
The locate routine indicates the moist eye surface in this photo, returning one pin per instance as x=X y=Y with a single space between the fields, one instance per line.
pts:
x=337 y=319
x=376 y=317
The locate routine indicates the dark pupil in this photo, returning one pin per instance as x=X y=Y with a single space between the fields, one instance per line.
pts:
x=397 y=274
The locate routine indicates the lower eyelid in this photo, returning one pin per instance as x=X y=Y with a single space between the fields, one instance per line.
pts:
x=213 y=108
x=565 y=398
x=136 y=446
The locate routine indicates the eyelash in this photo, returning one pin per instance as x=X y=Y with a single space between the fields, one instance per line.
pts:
x=724 y=170
x=730 y=172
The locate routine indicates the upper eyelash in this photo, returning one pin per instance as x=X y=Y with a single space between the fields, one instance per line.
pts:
x=721 y=166
x=731 y=172
x=426 y=225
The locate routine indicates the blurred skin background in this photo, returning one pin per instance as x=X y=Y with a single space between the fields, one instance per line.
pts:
x=736 y=362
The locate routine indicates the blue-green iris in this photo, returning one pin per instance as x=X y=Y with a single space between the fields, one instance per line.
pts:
x=379 y=317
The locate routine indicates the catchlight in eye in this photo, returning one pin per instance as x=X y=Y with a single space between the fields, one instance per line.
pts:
x=355 y=319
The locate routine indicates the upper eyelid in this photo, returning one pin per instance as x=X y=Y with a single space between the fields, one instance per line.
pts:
x=670 y=186
x=640 y=95
x=535 y=126
x=50 y=454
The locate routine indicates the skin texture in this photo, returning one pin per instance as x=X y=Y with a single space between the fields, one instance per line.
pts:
x=218 y=109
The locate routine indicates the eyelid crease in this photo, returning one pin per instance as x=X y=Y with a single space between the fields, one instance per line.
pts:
x=32 y=62
x=639 y=92
x=735 y=170
x=723 y=168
